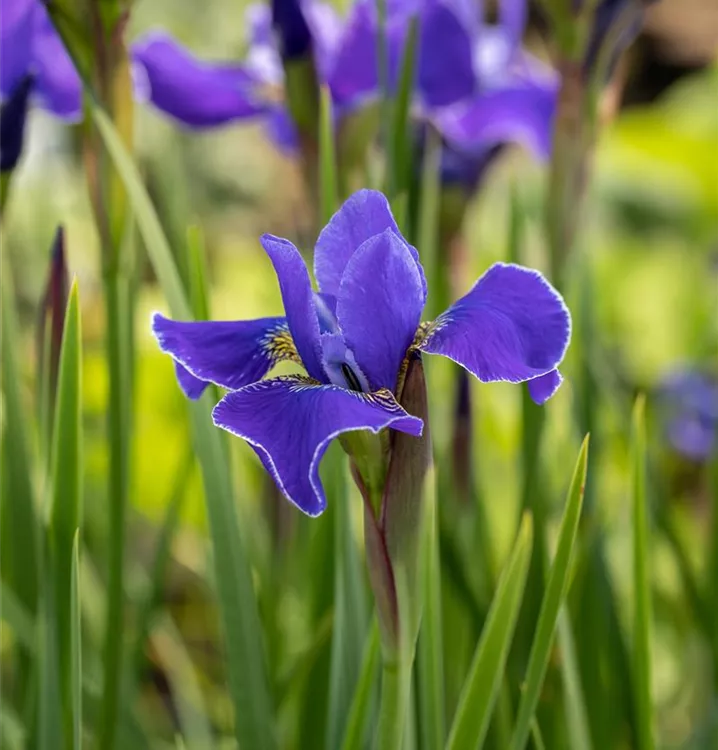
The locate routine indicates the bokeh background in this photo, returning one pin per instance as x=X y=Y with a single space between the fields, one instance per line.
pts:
x=651 y=238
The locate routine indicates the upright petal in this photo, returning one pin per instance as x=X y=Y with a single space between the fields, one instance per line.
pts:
x=513 y=325
x=379 y=306
x=16 y=30
x=445 y=73
x=520 y=115
x=298 y=298
x=363 y=215
x=512 y=16
x=294 y=37
x=58 y=85
x=290 y=422
x=197 y=93
x=230 y=354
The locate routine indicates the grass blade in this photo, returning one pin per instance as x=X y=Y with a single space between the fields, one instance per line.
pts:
x=641 y=584
x=76 y=643
x=350 y=607
x=18 y=507
x=328 y=176
x=555 y=594
x=398 y=171
x=249 y=685
x=198 y=280
x=358 y=718
x=487 y=669
x=430 y=656
x=66 y=491
x=576 y=714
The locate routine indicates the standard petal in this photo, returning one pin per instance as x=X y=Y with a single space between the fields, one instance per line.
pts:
x=197 y=93
x=298 y=298
x=513 y=326
x=518 y=115
x=57 y=84
x=542 y=388
x=445 y=73
x=512 y=16
x=379 y=306
x=293 y=35
x=363 y=215
x=290 y=422
x=230 y=354
x=16 y=31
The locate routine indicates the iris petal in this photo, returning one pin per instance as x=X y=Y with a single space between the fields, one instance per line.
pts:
x=512 y=16
x=364 y=214
x=290 y=422
x=445 y=73
x=228 y=353
x=379 y=306
x=542 y=388
x=16 y=29
x=513 y=325
x=523 y=114
x=197 y=93
x=57 y=83
x=298 y=298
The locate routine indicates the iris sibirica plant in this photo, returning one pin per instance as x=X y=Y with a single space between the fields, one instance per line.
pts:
x=353 y=338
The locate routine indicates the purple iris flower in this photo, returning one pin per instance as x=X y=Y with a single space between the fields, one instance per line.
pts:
x=688 y=401
x=480 y=89
x=353 y=338
x=35 y=67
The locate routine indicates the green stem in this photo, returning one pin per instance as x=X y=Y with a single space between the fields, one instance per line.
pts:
x=118 y=409
x=395 y=685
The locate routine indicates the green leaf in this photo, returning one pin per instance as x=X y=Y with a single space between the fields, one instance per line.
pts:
x=482 y=684
x=430 y=657
x=66 y=491
x=328 y=176
x=350 y=608
x=249 y=686
x=49 y=706
x=576 y=714
x=399 y=153
x=18 y=507
x=18 y=618
x=641 y=583
x=359 y=713
x=76 y=643
x=554 y=596
x=197 y=265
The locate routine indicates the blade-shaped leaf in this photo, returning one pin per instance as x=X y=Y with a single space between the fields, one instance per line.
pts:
x=641 y=584
x=66 y=490
x=576 y=714
x=249 y=685
x=482 y=684
x=359 y=713
x=328 y=176
x=76 y=643
x=555 y=594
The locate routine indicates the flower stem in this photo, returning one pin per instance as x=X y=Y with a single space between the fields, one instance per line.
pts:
x=395 y=683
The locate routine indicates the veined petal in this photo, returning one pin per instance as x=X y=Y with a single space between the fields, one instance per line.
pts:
x=379 y=306
x=290 y=422
x=542 y=388
x=191 y=386
x=445 y=72
x=230 y=354
x=521 y=115
x=298 y=298
x=197 y=93
x=513 y=325
x=16 y=30
x=57 y=83
x=364 y=214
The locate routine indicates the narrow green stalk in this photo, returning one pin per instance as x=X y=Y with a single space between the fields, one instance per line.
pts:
x=395 y=687
x=117 y=427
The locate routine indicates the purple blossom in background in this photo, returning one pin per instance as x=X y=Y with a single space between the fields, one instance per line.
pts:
x=353 y=338
x=34 y=68
x=688 y=403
